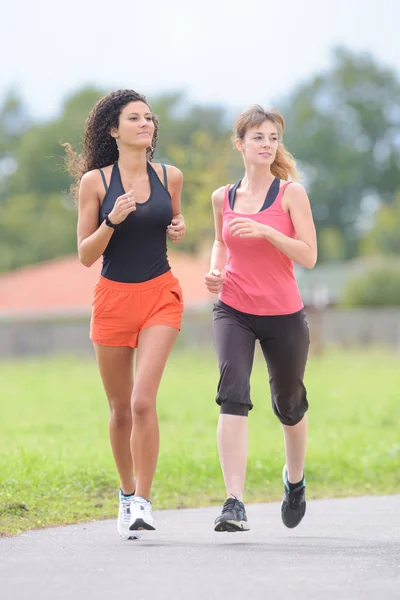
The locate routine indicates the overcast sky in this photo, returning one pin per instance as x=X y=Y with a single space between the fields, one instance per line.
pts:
x=221 y=52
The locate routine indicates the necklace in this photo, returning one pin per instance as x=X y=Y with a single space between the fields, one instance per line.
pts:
x=138 y=199
x=129 y=182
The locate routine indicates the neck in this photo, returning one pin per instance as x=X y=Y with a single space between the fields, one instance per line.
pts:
x=132 y=162
x=257 y=178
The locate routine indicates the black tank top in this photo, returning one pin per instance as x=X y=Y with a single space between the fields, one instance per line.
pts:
x=137 y=250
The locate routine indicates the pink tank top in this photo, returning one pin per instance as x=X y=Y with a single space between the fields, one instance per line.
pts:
x=259 y=278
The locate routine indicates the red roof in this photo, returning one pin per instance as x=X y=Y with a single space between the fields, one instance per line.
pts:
x=64 y=286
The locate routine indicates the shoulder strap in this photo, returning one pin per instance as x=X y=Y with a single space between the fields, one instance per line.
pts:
x=226 y=197
x=285 y=185
x=164 y=168
x=104 y=179
x=281 y=192
x=272 y=194
x=232 y=194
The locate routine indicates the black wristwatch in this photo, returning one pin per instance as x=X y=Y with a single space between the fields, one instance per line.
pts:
x=109 y=224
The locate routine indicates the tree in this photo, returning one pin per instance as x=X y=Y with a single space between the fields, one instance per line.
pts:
x=379 y=286
x=38 y=217
x=40 y=156
x=14 y=121
x=36 y=228
x=196 y=139
x=343 y=126
x=384 y=237
x=207 y=163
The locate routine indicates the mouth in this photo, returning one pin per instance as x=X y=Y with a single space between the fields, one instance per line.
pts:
x=144 y=133
x=266 y=154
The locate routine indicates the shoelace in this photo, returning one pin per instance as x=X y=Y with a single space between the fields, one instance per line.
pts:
x=143 y=505
x=126 y=508
x=229 y=504
x=295 y=497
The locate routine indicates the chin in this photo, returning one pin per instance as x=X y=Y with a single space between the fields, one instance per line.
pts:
x=265 y=161
x=143 y=145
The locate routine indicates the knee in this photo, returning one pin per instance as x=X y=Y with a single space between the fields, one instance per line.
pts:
x=143 y=404
x=290 y=405
x=120 y=416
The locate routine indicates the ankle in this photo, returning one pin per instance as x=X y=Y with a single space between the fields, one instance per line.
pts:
x=126 y=495
x=126 y=490
x=140 y=497
x=236 y=497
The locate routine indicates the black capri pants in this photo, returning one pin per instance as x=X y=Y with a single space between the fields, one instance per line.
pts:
x=284 y=341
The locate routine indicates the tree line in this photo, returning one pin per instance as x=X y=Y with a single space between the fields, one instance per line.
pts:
x=342 y=126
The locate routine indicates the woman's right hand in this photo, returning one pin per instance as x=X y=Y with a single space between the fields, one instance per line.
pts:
x=214 y=281
x=123 y=206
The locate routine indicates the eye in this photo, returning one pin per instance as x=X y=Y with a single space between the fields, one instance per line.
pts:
x=258 y=137
x=133 y=118
x=149 y=119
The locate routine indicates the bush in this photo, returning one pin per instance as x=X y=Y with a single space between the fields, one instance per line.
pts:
x=376 y=287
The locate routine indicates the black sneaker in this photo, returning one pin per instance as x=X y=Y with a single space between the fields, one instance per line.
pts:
x=293 y=505
x=233 y=517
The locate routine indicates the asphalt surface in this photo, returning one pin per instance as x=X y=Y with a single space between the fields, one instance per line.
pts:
x=346 y=549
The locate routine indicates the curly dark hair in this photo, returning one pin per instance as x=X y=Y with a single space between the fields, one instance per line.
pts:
x=99 y=147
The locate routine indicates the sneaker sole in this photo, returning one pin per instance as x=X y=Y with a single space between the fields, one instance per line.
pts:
x=127 y=536
x=232 y=526
x=140 y=525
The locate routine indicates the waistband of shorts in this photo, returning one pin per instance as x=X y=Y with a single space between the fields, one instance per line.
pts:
x=137 y=287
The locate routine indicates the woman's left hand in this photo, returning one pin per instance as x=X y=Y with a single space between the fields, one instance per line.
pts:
x=247 y=228
x=176 y=230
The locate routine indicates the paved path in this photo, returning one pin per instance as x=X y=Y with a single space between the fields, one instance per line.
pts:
x=344 y=550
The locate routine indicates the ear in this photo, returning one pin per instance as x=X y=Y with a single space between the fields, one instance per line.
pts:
x=114 y=132
x=239 y=145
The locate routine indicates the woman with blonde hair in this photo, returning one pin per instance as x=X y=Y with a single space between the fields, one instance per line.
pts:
x=263 y=224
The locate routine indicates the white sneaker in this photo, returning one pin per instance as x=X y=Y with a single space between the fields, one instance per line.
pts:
x=124 y=518
x=141 y=517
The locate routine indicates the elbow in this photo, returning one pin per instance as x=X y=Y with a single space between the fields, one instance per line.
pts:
x=84 y=260
x=310 y=262
x=309 y=266
x=84 y=256
x=86 y=263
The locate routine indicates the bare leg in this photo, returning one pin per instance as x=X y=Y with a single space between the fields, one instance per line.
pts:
x=116 y=370
x=295 y=446
x=154 y=346
x=232 y=446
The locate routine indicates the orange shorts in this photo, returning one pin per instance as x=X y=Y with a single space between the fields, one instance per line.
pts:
x=121 y=310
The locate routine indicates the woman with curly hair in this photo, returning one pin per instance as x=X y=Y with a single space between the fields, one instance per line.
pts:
x=263 y=224
x=128 y=205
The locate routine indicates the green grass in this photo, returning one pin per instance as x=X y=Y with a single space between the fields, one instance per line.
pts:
x=56 y=464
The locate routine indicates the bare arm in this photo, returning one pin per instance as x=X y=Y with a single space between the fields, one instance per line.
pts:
x=176 y=230
x=175 y=179
x=303 y=249
x=218 y=252
x=92 y=239
x=214 y=278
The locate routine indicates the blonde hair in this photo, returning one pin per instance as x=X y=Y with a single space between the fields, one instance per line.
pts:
x=284 y=165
